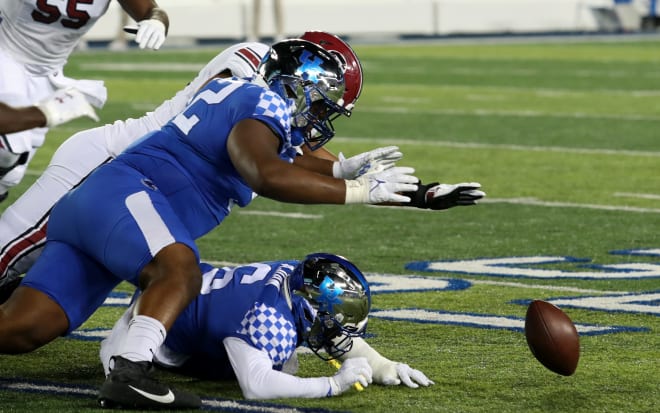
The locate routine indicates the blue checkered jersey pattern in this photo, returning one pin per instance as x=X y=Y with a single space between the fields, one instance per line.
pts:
x=187 y=159
x=236 y=302
x=272 y=331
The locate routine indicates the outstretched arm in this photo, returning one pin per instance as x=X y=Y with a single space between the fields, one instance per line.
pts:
x=60 y=107
x=386 y=371
x=258 y=380
x=434 y=196
x=253 y=149
x=20 y=119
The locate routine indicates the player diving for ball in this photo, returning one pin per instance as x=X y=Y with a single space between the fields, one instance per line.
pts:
x=267 y=310
x=23 y=224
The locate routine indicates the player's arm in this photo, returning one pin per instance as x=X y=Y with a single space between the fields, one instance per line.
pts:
x=257 y=379
x=386 y=371
x=20 y=119
x=60 y=107
x=253 y=150
x=153 y=22
x=434 y=196
x=327 y=163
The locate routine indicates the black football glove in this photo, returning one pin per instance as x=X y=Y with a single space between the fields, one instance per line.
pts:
x=444 y=196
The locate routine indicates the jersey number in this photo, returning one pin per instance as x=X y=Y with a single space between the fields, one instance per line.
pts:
x=209 y=282
x=48 y=14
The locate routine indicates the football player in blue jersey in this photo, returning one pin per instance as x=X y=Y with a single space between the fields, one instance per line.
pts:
x=248 y=320
x=23 y=224
x=236 y=139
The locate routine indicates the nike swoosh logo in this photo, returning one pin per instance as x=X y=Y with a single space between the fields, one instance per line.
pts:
x=165 y=399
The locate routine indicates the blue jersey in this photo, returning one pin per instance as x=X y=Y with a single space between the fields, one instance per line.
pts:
x=172 y=186
x=237 y=302
x=188 y=161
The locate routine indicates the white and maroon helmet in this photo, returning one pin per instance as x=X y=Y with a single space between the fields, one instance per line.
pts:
x=350 y=64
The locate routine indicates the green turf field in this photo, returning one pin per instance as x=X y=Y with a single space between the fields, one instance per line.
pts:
x=563 y=138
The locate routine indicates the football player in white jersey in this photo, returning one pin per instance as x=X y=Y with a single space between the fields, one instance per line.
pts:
x=23 y=224
x=36 y=39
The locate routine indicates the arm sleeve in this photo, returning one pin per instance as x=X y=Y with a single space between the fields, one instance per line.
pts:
x=258 y=380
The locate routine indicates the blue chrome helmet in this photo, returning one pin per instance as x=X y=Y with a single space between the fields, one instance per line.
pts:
x=340 y=294
x=312 y=80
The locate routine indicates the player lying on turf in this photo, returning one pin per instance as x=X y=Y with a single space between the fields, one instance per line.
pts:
x=23 y=224
x=267 y=310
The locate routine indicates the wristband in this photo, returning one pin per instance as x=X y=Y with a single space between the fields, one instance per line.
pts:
x=357 y=191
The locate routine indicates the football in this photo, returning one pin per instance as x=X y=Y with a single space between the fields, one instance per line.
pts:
x=552 y=337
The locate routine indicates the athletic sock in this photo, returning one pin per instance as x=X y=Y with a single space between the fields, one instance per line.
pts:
x=144 y=336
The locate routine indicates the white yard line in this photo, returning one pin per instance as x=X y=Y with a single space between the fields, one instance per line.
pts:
x=636 y=195
x=537 y=202
x=294 y=215
x=545 y=287
x=507 y=113
x=470 y=145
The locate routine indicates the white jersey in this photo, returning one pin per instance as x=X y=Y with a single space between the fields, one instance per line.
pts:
x=23 y=224
x=42 y=33
x=241 y=59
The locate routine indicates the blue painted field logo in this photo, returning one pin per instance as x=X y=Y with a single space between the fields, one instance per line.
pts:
x=637 y=303
x=527 y=267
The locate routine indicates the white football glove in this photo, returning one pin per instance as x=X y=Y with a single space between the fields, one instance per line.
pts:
x=65 y=105
x=150 y=34
x=383 y=186
x=393 y=374
x=367 y=162
x=444 y=196
x=352 y=370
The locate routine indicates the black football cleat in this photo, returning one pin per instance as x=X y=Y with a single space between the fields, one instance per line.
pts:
x=130 y=386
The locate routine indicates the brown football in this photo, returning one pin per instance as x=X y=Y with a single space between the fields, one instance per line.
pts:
x=552 y=337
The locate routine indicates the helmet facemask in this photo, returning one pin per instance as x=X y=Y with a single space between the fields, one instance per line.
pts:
x=312 y=81
x=340 y=295
x=331 y=335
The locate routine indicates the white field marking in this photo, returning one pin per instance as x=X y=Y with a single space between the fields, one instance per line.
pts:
x=295 y=215
x=471 y=319
x=508 y=113
x=222 y=263
x=234 y=405
x=536 y=202
x=214 y=404
x=475 y=145
x=50 y=388
x=635 y=195
x=545 y=287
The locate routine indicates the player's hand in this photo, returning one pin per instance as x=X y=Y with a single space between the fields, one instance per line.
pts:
x=64 y=105
x=367 y=162
x=392 y=373
x=383 y=186
x=150 y=34
x=352 y=370
x=412 y=377
x=444 y=196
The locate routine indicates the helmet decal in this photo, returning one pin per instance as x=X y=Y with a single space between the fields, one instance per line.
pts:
x=340 y=295
x=330 y=293
x=311 y=80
